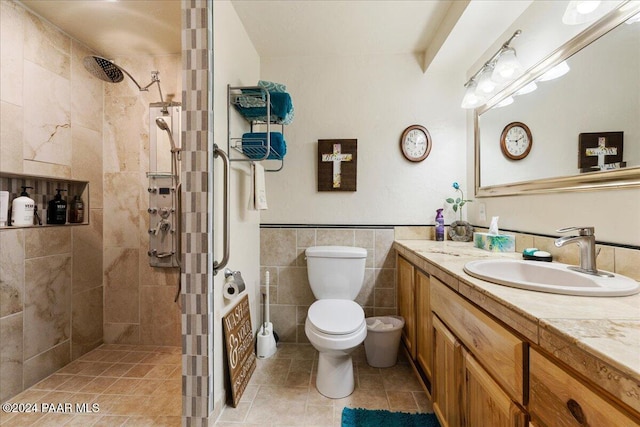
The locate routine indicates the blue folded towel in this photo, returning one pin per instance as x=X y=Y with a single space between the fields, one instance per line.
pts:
x=254 y=145
x=281 y=108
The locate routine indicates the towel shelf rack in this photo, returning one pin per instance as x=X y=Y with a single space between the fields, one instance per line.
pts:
x=255 y=152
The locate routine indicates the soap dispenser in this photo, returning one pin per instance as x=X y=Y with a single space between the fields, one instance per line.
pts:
x=22 y=209
x=76 y=214
x=439 y=225
x=57 y=209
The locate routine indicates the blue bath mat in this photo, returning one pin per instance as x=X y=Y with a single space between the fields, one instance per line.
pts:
x=378 y=418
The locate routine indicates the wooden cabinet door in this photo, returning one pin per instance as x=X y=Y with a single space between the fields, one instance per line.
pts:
x=485 y=403
x=446 y=383
x=424 y=330
x=406 y=304
x=557 y=398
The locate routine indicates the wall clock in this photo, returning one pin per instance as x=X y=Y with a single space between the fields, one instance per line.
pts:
x=516 y=141
x=415 y=143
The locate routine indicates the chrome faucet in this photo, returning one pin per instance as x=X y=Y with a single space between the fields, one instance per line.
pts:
x=586 y=241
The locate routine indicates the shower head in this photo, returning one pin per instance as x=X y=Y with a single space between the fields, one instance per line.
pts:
x=107 y=70
x=162 y=124
x=104 y=69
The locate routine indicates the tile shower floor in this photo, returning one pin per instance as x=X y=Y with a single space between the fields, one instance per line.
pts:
x=130 y=385
x=282 y=391
x=141 y=386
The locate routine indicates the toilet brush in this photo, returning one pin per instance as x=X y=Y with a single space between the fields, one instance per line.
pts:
x=266 y=338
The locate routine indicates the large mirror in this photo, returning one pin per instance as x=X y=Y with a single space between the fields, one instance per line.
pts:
x=585 y=125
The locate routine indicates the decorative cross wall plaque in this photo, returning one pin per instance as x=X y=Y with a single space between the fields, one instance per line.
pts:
x=600 y=151
x=337 y=164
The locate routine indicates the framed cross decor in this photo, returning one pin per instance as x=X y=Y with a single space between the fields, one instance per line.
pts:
x=600 y=151
x=337 y=164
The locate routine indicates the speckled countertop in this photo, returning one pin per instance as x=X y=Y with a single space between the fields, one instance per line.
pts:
x=597 y=336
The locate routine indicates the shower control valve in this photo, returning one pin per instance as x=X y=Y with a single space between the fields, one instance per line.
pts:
x=152 y=210
x=152 y=189
x=165 y=212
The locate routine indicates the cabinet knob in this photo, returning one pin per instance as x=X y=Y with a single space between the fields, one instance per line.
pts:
x=576 y=411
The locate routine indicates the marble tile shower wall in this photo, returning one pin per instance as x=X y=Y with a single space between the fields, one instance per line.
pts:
x=282 y=254
x=139 y=305
x=50 y=125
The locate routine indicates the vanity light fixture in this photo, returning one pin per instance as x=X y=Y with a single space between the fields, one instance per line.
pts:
x=635 y=18
x=507 y=101
x=585 y=11
x=485 y=84
x=472 y=98
x=528 y=88
x=558 y=71
x=507 y=67
x=502 y=68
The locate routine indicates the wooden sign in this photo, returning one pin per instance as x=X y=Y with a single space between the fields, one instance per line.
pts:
x=337 y=164
x=238 y=338
x=600 y=151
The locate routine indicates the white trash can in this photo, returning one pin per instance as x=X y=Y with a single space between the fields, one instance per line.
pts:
x=383 y=340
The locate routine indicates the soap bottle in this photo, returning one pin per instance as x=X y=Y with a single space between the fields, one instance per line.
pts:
x=76 y=213
x=57 y=209
x=439 y=225
x=22 y=209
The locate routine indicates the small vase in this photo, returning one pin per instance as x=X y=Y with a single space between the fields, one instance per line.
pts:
x=461 y=231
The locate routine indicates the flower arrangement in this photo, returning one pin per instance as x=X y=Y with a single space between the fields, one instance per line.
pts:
x=459 y=202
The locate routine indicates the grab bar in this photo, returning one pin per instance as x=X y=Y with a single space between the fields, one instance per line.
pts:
x=225 y=215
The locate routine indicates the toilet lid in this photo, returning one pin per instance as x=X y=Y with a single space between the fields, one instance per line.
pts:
x=336 y=316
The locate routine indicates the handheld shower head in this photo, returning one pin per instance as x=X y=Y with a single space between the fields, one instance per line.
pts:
x=162 y=124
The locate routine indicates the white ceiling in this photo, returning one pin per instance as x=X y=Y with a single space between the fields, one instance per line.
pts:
x=296 y=27
x=117 y=28
x=321 y=28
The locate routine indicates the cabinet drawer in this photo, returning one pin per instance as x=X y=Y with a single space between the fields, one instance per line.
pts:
x=500 y=352
x=557 y=398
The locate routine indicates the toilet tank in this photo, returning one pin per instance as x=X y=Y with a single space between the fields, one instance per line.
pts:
x=335 y=272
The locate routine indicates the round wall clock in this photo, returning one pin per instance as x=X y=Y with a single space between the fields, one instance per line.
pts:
x=516 y=140
x=415 y=143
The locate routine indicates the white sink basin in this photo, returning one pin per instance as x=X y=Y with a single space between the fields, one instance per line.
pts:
x=550 y=277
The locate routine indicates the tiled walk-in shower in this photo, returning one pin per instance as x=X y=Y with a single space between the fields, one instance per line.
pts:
x=113 y=385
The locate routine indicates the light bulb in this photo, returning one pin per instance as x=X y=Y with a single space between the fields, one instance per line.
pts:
x=507 y=101
x=558 y=71
x=471 y=99
x=485 y=84
x=584 y=7
x=528 y=88
x=507 y=68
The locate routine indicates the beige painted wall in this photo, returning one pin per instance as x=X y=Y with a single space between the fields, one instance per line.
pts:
x=236 y=62
x=371 y=98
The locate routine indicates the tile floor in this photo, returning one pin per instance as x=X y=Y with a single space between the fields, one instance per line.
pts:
x=129 y=385
x=141 y=386
x=282 y=391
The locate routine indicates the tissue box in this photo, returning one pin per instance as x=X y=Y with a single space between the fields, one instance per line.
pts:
x=494 y=242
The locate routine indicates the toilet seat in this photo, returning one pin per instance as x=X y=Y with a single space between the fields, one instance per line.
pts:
x=336 y=316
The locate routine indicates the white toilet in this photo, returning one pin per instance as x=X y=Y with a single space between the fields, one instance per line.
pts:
x=335 y=323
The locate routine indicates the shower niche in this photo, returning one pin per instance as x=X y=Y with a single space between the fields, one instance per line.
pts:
x=164 y=184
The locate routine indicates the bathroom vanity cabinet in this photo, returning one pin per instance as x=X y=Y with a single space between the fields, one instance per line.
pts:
x=413 y=306
x=486 y=362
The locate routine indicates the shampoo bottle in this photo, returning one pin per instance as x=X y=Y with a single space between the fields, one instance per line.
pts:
x=57 y=209
x=22 y=209
x=439 y=226
x=76 y=214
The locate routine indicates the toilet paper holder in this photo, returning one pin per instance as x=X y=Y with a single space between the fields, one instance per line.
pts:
x=233 y=284
x=237 y=276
